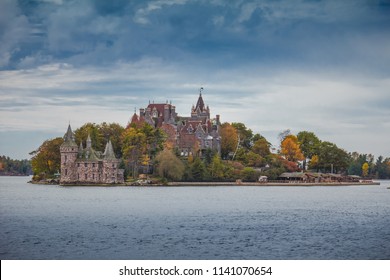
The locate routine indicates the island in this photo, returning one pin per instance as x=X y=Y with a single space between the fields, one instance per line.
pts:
x=160 y=147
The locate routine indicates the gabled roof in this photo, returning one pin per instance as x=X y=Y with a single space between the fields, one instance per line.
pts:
x=159 y=107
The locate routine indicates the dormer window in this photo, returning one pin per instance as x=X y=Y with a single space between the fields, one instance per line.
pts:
x=155 y=113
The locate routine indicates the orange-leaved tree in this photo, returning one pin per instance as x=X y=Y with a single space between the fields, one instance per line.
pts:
x=290 y=148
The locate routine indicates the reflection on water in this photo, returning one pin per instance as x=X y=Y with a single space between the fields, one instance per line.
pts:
x=53 y=222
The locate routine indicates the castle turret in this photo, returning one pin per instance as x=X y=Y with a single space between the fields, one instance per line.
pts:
x=109 y=151
x=167 y=114
x=111 y=172
x=89 y=142
x=69 y=152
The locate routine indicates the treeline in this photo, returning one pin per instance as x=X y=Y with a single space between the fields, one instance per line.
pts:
x=244 y=155
x=14 y=167
x=365 y=165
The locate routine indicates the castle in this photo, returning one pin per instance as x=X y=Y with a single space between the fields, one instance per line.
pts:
x=190 y=135
x=87 y=166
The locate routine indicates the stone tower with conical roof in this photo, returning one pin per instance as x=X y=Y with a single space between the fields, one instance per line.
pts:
x=69 y=152
x=86 y=166
x=111 y=172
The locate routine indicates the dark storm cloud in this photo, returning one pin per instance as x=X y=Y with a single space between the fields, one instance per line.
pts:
x=100 y=32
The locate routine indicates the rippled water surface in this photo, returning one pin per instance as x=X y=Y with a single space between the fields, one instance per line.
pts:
x=53 y=222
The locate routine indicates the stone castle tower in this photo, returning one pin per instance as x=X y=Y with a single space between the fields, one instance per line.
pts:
x=69 y=152
x=87 y=166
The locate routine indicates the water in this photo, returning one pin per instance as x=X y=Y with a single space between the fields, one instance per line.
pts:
x=53 y=222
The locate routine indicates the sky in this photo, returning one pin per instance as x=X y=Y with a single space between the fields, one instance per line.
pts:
x=319 y=66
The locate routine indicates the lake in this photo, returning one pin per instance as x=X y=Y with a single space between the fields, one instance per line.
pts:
x=232 y=222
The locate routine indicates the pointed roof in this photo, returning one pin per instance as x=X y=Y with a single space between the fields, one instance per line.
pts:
x=109 y=151
x=134 y=118
x=89 y=142
x=88 y=154
x=200 y=103
x=69 y=138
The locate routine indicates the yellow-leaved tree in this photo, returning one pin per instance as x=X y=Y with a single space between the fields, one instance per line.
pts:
x=365 y=168
x=290 y=148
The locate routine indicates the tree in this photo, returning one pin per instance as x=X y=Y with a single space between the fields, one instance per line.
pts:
x=245 y=133
x=140 y=145
x=208 y=156
x=309 y=145
x=133 y=149
x=249 y=174
x=198 y=170
x=382 y=168
x=100 y=134
x=169 y=166
x=358 y=160
x=216 y=168
x=365 y=168
x=314 y=162
x=254 y=160
x=113 y=132
x=332 y=156
x=261 y=147
x=290 y=149
x=91 y=129
x=47 y=158
x=229 y=139
x=10 y=166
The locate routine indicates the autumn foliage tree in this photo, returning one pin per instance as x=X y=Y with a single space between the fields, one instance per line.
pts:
x=289 y=148
x=365 y=168
x=46 y=160
x=229 y=139
x=140 y=145
x=133 y=148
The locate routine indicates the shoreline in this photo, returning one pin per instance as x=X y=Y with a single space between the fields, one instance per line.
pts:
x=270 y=184
x=218 y=184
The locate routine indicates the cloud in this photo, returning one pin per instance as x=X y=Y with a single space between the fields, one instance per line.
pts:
x=268 y=102
x=306 y=65
x=14 y=30
x=142 y=15
x=104 y=32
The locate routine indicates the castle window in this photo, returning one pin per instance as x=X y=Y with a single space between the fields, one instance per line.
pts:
x=85 y=164
x=66 y=158
x=85 y=176
x=113 y=165
x=78 y=164
x=66 y=172
x=93 y=164
x=93 y=176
